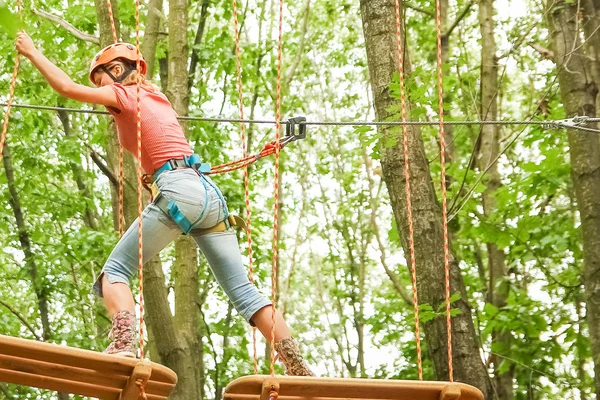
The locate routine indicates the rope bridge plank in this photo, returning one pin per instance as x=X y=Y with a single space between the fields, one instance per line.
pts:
x=266 y=387
x=83 y=372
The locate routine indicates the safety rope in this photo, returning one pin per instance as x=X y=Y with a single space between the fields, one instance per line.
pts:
x=113 y=28
x=444 y=193
x=11 y=95
x=576 y=122
x=268 y=150
x=411 y=241
x=276 y=186
x=246 y=175
x=140 y=173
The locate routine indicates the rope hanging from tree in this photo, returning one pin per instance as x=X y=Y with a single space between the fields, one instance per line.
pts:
x=139 y=172
x=140 y=189
x=223 y=168
x=271 y=148
x=411 y=238
x=276 y=187
x=444 y=191
x=113 y=28
x=443 y=178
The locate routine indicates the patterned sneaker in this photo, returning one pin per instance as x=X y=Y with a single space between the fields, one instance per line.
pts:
x=122 y=335
x=289 y=353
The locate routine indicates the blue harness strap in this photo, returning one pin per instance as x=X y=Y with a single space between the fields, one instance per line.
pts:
x=177 y=216
x=194 y=161
x=170 y=208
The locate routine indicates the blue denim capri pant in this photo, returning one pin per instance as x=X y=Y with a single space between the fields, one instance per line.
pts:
x=199 y=200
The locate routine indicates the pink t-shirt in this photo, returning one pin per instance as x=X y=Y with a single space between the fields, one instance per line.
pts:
x=162 y=136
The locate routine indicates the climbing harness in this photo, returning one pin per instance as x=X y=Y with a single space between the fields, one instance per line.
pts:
x=169 y=206
x=194 y=162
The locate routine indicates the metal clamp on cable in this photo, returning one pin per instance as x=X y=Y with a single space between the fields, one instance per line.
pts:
x=290 y=130
x=573 y=122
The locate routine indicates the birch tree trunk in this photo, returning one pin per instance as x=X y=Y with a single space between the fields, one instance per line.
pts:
x=488 y=152
x=379 y=27
x=579 y=91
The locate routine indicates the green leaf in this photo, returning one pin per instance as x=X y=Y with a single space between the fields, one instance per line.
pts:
x=9 y=21
x=490 y=309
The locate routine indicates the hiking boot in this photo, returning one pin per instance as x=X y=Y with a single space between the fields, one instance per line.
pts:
x=122 y=334
x=289 y=354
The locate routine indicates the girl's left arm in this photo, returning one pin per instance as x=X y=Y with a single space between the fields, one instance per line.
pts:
x=60 y=81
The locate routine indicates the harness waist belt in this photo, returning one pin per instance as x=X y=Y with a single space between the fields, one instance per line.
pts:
x=194 y=161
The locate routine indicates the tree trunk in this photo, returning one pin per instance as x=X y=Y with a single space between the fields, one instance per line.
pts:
x=186 y=261
x=379 y=27
x=489 y=149
x=148 y=46
x=37 y=281
x=449 y=129
x=579 y=90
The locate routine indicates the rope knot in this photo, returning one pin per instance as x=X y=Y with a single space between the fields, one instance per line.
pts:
x=273 y=395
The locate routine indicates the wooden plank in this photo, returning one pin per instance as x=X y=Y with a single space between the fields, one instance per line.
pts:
x=309 y=387
x=83 y=372
x=138 y=378
x=246 y=396
x=103 y=363
x=81 y=375
x=59 y=371
x=59 y=385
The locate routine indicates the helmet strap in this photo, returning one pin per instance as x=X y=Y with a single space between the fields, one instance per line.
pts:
x=121 y=78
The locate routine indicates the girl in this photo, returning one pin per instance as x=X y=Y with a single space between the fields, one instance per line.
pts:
x=188 y=200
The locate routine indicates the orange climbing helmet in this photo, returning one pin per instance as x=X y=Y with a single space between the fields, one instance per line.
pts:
x=113 y=52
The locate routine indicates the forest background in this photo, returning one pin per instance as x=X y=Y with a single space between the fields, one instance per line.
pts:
x=523 y=201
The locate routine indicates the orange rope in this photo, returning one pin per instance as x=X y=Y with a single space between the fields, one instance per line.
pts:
x=140 y=189
x=11 y=95
x=444 y=194
x=244 y=162
x=121 y=155
x=276 y=184
x=246 y=176
x=411 y=240
x=112 y=21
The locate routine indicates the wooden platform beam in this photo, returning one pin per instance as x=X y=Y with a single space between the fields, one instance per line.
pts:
x=88 y=373
x=258 y=387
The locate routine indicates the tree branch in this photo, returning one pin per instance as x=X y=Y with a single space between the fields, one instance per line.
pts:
x=197 y=41
x=544 y=52
x=103 y=167
x=23 y=320
x=421 y=10
x=292 y=69
x=460 y=17
x=74 y=31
